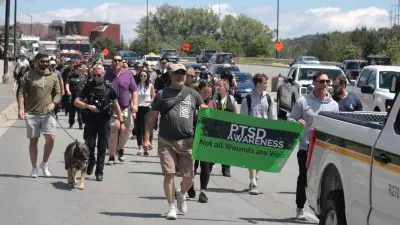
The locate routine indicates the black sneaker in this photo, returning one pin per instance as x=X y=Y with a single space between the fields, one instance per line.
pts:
x=80 y=127
x=89 y=170
x=226 y=172
x=121 y=156
x=99 y=177
x=203 y=197
x=70 y=126
x=191 y=192
x=146 y=153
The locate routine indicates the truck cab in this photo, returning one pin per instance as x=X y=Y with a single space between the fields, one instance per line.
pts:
x=353 y=166
x=372 y=86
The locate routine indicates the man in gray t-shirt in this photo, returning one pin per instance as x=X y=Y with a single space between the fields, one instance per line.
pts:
x=175 y=136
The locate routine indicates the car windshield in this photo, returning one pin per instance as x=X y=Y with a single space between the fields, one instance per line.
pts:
x=310 y=59
x=71 y=56
x=243 y=78
x=209 y=51
x=384 y=78
x=308 y=73
x=152 y=58
x=130 y=54
x=225 y=58
x=221 y=69
x=355 y=65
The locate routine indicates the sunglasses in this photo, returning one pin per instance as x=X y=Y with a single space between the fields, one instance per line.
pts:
x=324 y=81
x=98 y=75
x=44 y=61
x=117 y=60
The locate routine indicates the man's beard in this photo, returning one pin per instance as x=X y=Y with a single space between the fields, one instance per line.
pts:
x=42 y=68
x=337 y=91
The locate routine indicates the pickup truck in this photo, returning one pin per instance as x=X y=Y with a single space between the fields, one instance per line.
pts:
x=298 y=82
x=354 y=165
x=373 y=87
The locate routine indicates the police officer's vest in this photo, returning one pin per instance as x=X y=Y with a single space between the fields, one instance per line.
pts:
x=99 y=95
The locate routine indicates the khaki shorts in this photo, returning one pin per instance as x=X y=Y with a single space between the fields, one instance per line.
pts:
x=176 y=153
x=40 y=124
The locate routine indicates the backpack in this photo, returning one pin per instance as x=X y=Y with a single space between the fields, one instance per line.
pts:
x=248 y=100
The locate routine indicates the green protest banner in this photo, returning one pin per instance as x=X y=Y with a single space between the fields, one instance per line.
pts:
x=243 y=141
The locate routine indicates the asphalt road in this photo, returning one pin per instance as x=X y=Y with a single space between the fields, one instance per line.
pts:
x=132 y=193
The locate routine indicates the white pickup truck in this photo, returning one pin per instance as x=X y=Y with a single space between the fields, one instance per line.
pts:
x=373 y=87
x=354 y=165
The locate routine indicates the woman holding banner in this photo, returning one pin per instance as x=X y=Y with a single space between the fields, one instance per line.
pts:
x=205 y=90
x=225 y=102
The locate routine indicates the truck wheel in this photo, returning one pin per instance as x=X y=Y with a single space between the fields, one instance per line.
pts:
x=333 y=210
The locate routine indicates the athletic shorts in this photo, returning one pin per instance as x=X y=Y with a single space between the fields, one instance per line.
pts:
x=40 y=124
x=176 y=153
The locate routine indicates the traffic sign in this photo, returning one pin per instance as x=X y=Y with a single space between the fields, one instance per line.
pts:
x=105 y=52
x=278 y=46
x=186 y=47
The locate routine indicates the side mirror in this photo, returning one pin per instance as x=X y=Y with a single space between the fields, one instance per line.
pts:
x=352 y=82
x=367 y=89
x=394 y=84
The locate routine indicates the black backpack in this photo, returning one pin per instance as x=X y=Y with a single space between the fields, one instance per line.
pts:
x=248 y=100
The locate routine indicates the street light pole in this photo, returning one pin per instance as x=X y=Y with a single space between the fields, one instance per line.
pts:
x=6 y=27
x=147 y=27
x=277 y=26
x=15 y=30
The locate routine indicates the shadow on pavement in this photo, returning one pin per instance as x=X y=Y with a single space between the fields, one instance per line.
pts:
x=138 y=215
x=147 y=172
x=153 y=198
x=62 y=186
x=24 y=176
x=223 y=190
x=285 y=220
x=137 y=161
x=286 y=192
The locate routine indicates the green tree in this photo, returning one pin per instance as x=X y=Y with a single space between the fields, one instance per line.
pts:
x=198 y=43
x=352 y=52
x=393 y=49
x=260 y=46
x=102 y=43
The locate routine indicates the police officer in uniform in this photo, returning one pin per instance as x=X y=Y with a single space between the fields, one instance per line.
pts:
x=100 y=101
x=73 y=85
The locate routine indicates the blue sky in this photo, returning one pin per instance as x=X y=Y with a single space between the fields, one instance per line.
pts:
x=297 y=17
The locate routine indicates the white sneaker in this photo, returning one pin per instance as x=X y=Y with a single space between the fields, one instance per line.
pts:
x=34 y=173
x=300 y=214
x=172 y=213
x=45 y=169
x=181 y=201
x=253 y=189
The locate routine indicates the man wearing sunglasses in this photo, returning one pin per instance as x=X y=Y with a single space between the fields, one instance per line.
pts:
x=305 y=111
x=37 y=97
x=100 y=101
x=126 y=89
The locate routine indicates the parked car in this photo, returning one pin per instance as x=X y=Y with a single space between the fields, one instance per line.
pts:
x=205 y=56
x=217 y=69
x=373 y=87
x=151 y=59
x=193 y=65
x=222 y=58
x=298 y=82
x=352 y=68
x=244 y=85
x=170 y=54
x=305 y=60
x=353 y=167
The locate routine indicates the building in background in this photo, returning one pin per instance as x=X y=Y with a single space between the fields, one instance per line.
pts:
x=94 y=30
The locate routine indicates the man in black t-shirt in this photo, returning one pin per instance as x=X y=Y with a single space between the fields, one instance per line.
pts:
x=73 y=85
x=177 y=105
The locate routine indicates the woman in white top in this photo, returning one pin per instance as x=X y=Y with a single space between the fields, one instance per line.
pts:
x=146 y=95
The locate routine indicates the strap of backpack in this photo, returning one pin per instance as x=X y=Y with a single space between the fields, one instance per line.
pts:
x=248 y=101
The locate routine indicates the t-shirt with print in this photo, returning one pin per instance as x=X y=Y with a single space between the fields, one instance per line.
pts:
x=177 y=124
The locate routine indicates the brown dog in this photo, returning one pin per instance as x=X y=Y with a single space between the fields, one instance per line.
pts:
x=76 y=158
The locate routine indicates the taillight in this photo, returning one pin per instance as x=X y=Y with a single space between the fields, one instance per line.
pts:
x=312 y=138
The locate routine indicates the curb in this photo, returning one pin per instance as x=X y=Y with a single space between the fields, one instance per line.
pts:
x=10 y=113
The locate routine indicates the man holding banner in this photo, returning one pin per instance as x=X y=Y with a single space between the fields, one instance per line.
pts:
x=177 y=105
x=258 y=104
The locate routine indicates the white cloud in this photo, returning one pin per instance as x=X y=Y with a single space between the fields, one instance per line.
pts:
x=259 y=10
x=126 y=15
x=322 y=20
x=224 y=8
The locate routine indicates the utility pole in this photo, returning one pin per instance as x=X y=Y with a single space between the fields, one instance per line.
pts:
x=15 y=30
x=6 y=29
x=219 y=9
x=147 y=28
x=277 y=27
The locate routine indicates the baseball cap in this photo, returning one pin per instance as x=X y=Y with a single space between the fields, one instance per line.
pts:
x=203 y=67
x=164 y=60
x=52 y=62
x=178 y=69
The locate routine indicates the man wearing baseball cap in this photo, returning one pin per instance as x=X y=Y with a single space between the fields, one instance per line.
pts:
x=177 y=105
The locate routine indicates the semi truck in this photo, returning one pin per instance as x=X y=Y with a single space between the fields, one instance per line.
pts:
x=77 y=43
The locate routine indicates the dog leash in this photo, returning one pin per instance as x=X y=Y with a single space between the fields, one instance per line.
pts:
x=69 y=135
